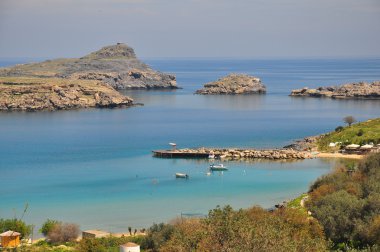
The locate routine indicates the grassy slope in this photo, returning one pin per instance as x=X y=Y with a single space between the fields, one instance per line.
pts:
x=371 y=133
x=296 y=203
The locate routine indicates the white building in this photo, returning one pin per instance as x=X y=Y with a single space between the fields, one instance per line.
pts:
x=130 y=247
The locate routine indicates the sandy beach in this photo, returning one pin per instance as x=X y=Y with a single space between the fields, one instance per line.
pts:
x=339 y=155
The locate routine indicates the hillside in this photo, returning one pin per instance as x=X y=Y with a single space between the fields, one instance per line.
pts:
x=359 y=133
x=115 y=65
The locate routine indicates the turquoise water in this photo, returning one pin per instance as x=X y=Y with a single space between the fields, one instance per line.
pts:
x=94 y=166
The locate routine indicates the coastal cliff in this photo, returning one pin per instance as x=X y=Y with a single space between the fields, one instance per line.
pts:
x=360 y=90
x=234 y=84
x=34 y=94
x=115 y=65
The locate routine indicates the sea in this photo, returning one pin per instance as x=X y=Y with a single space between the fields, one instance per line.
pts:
x=94 y=167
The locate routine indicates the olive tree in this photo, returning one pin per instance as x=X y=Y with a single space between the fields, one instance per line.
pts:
x=349 y=120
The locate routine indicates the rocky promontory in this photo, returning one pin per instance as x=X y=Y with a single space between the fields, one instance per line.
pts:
x=234 y=84
x=115 y=65
x=34 y=94
x=359 y=90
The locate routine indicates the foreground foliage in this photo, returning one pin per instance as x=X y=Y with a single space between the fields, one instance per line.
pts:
x=254 y=229
x=347 y=204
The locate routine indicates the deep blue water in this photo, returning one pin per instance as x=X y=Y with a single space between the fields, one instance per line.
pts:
x=94 y=166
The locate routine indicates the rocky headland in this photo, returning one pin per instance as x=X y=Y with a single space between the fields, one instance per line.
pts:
x=34 y=94
x=115 y=65
x=234 y=84
x=360 y=90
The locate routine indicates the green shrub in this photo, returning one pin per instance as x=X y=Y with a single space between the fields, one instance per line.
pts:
x=48 y=226
x=253 y=229
x=360 y=132
x=339 y=129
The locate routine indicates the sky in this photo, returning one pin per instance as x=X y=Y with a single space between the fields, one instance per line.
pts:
x=192 y=28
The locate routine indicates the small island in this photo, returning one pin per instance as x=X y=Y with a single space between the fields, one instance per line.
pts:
x=234 y=84
x=359 y=90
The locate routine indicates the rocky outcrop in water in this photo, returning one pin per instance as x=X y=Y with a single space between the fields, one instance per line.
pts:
x=34 y=94
x=305 y=144
x=234 y=84
x=114 y=65
x=360 y=90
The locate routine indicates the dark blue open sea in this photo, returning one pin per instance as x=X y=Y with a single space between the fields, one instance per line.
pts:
x=94 y=166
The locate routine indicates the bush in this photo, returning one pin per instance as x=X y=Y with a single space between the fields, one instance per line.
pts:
x=63 y=232
x=48 y=226
x=91 y=245
x=339 y=129
x=254 y=229
x=109 y=243
x=360 y=132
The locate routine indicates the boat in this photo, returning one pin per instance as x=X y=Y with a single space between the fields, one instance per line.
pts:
x=219 y=167
x=181 y=175
x=211 y=156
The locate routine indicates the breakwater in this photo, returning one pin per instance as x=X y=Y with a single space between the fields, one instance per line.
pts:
x=233 y=153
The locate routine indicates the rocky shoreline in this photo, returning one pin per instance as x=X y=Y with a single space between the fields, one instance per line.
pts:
x=234 y=84
x=359 y=90
x=236 y=154
x=35 y=94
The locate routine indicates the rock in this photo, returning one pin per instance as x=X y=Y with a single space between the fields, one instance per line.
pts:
x=33 y=94
x=114 y=65
x=234 y=84
x=360 y=90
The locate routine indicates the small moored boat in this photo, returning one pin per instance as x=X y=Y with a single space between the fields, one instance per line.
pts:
x=181 y=175
x=219 y=167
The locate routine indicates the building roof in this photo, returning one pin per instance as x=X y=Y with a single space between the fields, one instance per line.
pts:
x=130 y=245
x=352 y=146
x=367 y=146
x=10 y=233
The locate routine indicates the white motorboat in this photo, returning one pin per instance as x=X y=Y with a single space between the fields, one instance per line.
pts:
x=219 y=167
x=181 y=175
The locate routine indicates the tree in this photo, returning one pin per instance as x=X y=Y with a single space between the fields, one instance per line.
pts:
x=15 y=225
x=338 y=213
x=349 y=120
x=48 y=226
x=158 y=234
